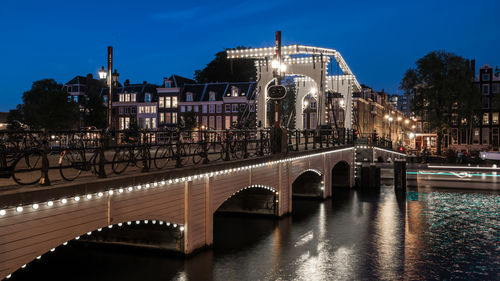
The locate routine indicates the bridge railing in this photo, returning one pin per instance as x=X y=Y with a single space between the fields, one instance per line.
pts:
x=37 y=157
x=373 y=140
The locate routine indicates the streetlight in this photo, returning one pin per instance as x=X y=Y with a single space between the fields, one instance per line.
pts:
x=102 y=73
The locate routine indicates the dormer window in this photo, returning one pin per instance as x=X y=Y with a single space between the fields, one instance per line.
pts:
x=147 y=97
x=189 y=96
x=211 y=96
x=168 y=84
x=234 y=91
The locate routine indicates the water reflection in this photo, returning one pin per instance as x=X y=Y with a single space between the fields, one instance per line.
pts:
x=354 y=236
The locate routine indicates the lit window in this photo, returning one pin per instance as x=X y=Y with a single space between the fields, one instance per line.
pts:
x=494 y=118
x=121 y=98
x=132 y=97
x=141 y=109
x=174 y=102
x=168 y=118
x=162 y=117
x=174 y=117
x=168 y=103
x=153 y=123
x=211 y=96
x=161 y=102
x=486 y=118
x=234 y=91
x=127 y=97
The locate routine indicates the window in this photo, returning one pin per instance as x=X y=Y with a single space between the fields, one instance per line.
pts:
x=219 y=123
x=147 y=97
x=122 y=98
x=127 y=97
x=494 y=118
x=211 y=108
x=486 y=77
x=141 y=109
x=147 y=123
x=211 y=123
x=228 y=108
x=132 y=97
x=196 y=108
x=174 y=117
x=486 y=89
x=162 y=117
x=485 y=135
x=168 y=118
x=189 y=108
x=183 y=108
x=189 y=97
x=234 y=91
x=494 y=88
x=204 y=121
x=486 y=103
x=211 y=96
x=204 y=108
x=174 y=101
x=153 y=123
x=133 y=110
x=168 y=103
x=161 y=102
x=153 y=109
x=476 y=136
x=235 y=107
x=219 y=108
x=313 y=105
x=228 y=122
x=486 y=118
x=168 y=85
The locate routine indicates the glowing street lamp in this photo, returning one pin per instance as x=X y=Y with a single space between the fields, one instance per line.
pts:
x=102 y=73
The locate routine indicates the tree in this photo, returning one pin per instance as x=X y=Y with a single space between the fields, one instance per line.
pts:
x=189 y=119
x=15 y=118
x=221 y=69
x=47 y=106
x=442 y=90
x=95 y=110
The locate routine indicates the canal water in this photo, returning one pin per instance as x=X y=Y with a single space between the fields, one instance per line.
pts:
x=426 y=235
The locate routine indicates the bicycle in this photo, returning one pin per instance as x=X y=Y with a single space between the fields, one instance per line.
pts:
x=128 y=155
x=73 y=160
x=206 y=148
x=166 y=152
x=24 y=164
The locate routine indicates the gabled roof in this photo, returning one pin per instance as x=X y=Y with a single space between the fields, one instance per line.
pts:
x=82 y=80
x=201 y=92
x=179 y=81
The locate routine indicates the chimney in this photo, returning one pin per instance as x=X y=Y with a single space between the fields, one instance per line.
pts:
x=126 y=83
x=473 y=67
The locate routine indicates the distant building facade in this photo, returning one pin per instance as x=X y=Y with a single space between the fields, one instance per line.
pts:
x=217 y=105
x=168 y=100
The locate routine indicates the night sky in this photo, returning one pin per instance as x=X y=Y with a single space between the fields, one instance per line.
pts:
x=152 y=39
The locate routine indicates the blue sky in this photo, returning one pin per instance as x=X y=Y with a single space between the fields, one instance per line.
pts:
x=152 y=39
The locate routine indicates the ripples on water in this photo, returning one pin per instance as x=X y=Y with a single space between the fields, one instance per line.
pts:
x=355 y=236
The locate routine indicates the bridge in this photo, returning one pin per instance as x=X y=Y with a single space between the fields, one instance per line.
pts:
x=170 y=208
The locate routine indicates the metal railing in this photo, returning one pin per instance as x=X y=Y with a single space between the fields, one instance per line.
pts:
x=29 y=157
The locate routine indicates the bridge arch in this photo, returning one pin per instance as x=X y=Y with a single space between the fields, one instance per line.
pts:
x=309 y=183
x=341 y=175
x=175 y=230
x=256 y=199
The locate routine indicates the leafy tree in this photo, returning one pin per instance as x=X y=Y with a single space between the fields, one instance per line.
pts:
x=442 y=90
x=47 y=106
x=95 y=110
x=189 y=119
x=15 y=118
x=222 y=69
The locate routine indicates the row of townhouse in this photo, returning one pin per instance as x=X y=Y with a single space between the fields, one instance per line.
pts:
x=149 y=106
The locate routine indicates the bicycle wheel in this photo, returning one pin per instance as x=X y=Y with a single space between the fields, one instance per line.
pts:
x=28 y=168
x=71 y=164
x=215 y=152
x=143 y=160
x=121 y=159
x=237 y=150
x=96 y=159
x=162 y=156
x=198 y=154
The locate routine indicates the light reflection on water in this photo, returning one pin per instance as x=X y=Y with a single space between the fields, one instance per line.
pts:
x=355 y=236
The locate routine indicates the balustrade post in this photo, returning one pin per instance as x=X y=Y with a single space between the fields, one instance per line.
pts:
x=205 y=140
x=144 y=153
x=228 y=147
x=245 y=144
x=178 y=151
x=261 y=148
x=297 y=139
x=44 y=179
x=102 y=161
x=314 y=138
x=306 y=140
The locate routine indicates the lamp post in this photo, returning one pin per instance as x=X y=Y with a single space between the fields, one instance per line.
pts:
x=110 y=79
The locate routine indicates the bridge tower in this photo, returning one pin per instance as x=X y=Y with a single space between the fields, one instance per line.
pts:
x=309 y=67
